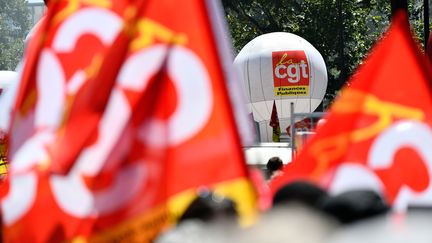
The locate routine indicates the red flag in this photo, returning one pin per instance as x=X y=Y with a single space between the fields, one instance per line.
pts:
x=378 y=133
x=274 y=123
x=122 y=114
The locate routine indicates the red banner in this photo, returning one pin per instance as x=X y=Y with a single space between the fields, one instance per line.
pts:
x=378 y=133
x=274 y=123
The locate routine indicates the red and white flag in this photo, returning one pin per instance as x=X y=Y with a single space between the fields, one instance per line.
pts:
x=274 y=123
x=121 y=115
x=378 y=134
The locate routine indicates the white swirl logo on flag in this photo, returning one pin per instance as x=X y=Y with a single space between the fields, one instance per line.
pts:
x=192 y=112
x=403 y=134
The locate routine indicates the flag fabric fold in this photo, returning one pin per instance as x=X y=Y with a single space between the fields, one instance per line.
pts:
x=122 y=114
x=378 y=133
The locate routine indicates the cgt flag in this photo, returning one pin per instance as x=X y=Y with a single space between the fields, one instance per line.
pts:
x=121 y=115
x=378 y=133
x=274 y=123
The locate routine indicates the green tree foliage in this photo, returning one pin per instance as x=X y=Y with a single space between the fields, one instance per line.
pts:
x=14 y=25
x=415 y=9
x=342 y=30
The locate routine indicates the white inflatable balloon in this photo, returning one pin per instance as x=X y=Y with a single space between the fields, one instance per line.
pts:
x=6 y=78
x=282 y=67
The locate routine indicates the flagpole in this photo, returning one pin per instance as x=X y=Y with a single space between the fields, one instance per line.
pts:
x=426 y=22
x=398 y=4
x=292 y=128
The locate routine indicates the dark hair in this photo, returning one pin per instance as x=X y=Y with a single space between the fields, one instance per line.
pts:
x=208 y=206
x=354 y=205
x=302 y=192
x=274 y=163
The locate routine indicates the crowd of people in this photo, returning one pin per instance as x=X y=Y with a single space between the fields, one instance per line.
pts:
x=300 y=212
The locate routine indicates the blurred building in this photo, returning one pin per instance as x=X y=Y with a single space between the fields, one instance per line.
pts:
x=37 y=10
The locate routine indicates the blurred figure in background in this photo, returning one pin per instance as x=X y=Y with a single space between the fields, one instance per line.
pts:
x=414 y=226
x=294 y=222
x=347 y=207
x=300 y=192
x=208 y=219
x=295 y=217
x=305 y=213
x=274 y=168
x=355 y=205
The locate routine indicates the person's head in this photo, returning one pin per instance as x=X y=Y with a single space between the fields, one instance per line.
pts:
x=274 y=164
x=208 y=206
x=354 y=205
x=300 y=192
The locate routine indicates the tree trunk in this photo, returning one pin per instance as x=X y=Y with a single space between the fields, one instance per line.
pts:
x=426 y=22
